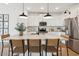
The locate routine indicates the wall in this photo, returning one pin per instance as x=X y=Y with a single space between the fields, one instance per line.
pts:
x=55 y=21
x=14 y=10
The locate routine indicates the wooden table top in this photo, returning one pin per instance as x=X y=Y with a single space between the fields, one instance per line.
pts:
x=35 y=36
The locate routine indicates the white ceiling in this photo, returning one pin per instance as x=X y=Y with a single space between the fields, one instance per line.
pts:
x=36 y=7
x=52 y=6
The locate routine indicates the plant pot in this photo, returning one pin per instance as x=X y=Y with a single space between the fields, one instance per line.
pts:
x=20 y=33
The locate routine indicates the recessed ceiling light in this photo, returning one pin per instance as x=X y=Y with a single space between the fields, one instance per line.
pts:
x=28 y=8
x=57 y=8
x=78 y=8
x=42 y=8
x=6 y=3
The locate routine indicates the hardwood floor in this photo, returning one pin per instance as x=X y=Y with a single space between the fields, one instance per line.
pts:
x=64 y=53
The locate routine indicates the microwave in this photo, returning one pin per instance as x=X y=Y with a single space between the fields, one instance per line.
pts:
x=43 y=24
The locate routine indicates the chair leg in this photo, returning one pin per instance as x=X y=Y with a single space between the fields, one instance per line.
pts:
x=23 y=48
x=40 y=53
x=2 y=51
x=40 y=47
x=11 y=47
x=57 y=53
x=23 y=54
x=30 y=53
x=12 y=53
x=46 y=48
x=28 y=46
x=60 y=50
x=9 y=51
x=46 y=53
x=2 y=48
x=52 y=54
x=67 y=48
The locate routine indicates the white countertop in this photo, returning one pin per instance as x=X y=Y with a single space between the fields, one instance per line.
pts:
x=50 y=35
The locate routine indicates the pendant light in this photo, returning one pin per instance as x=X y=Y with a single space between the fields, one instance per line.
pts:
x=47 y=16
x=23 y=15
x=67 y=12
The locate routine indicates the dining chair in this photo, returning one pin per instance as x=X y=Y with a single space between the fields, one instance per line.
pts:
x=34 y=45
x=3 y=43
x=52 y=46
x=67 y=37
x=18 y=46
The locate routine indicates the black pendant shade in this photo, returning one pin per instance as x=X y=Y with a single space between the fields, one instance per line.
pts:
x=47 y=15
x=23 y=15
x=67 y=11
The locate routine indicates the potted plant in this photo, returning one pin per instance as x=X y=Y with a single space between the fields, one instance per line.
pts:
x=21 y=28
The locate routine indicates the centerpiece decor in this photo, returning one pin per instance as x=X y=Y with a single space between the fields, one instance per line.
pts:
x=21 y=28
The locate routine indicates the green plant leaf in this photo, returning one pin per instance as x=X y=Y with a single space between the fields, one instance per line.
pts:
x=20 y=27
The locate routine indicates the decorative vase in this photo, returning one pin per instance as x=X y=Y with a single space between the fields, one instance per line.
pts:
x=20 y=33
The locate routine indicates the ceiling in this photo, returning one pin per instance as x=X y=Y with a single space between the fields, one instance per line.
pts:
x=52 y=6
x=42 y=7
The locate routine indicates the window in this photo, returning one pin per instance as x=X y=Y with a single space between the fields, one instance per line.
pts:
x=4 y=24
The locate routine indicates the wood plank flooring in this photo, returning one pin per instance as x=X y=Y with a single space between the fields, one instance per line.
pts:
x=64 y=53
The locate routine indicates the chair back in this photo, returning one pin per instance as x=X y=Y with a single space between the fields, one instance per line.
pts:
x=65 y=36
x=34 y=42
x=5 y=36
x=34 y=45
x=17 y=43
x=52 y=42
x=52 y=45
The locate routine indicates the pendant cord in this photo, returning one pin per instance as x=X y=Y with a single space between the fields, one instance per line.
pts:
x=23 y=7
x=47 y=7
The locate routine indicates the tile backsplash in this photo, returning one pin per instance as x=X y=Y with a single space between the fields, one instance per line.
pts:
x=48 y=28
